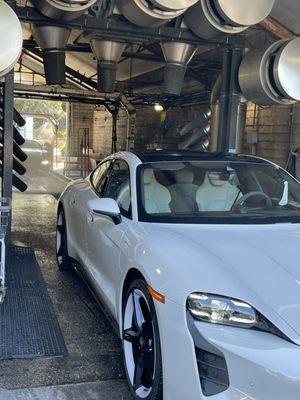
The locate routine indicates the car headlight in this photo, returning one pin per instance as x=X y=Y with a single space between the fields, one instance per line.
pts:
x=221 y=310
x=227 y=311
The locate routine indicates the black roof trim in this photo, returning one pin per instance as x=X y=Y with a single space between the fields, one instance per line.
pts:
x=188 y=155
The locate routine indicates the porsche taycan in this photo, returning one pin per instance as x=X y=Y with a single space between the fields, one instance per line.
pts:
x=196 y=258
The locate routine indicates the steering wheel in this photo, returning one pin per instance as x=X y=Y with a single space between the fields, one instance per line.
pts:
x=243 y=200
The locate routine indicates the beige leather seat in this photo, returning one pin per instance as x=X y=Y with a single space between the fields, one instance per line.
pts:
x=183 y=192
x=216 y=195
x=157 y=196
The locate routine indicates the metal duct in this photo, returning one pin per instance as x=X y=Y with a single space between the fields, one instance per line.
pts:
x=108 y=54
x=151 y=13
x=210 y=19
x=177 y=56
x=64 y=10
x=271 y=75
x=53 y=41
x=203 y=145
x=197 y=122
x=214 y=126
x=195 y=137
x=236 y=143
x=11 y=38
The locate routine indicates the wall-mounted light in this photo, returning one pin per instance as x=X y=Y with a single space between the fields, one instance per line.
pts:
x=158 y=107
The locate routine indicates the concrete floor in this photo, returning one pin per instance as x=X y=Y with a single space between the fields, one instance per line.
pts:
x=93 y=369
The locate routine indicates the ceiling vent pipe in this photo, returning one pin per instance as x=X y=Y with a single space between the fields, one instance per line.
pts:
x=196 y=131
x=53 y=41
x=237 y=144
x=63 y=10
x=193 y=139
x=108 y=54
x=11 y=38
x=178 y=56
x=271 y=75
x=151 y=13
x=211 y=19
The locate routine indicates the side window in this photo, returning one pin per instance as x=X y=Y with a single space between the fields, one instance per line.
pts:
x=271 y=186
x=118 y=186
x=99 y=177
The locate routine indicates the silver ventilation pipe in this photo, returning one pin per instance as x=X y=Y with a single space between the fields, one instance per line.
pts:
x=215 y=114
x=211 y=19
x=63 y=10
x=271 y=75
x=196 y=123
x=108 y=54
x=151 y=13
x=195 y=131
x=178 y=56
x=53 y=41
x=196 y=137
x=237 y=143
x=11 y=38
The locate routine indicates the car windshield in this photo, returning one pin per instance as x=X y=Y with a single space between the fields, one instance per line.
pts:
x=217 y=192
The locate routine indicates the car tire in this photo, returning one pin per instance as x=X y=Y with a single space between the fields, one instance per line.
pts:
x=64 y=262
x=141 y=343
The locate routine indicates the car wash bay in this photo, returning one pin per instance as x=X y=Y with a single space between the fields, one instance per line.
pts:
x=121 y=78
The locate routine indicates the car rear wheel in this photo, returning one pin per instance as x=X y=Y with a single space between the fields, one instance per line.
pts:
x=63 y=260
x=141 y=343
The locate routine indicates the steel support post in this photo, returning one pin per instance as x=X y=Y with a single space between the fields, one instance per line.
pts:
x=230 y=100
x=114 y=114
x=8 y=125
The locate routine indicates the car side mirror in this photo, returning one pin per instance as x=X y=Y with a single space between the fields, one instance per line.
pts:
x=107 y=207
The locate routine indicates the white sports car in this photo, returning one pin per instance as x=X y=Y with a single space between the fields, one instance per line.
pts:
x=195 y=256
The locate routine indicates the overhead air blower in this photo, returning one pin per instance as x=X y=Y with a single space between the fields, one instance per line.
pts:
x=108 y=53
x=211 y=19
x=63 y=10
x=178 y=56
x=153 y=13
x=11 y=38
x=271 y=75
x=53 y=40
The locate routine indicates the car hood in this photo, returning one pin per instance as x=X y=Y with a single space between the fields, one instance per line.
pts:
x=258 y=264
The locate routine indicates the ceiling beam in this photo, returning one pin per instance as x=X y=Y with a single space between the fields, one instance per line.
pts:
x=276 y=29
x=113 y=28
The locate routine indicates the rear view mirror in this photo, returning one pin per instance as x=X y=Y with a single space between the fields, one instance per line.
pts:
x=107 y=207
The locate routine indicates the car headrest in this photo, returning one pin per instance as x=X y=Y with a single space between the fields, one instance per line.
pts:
x=216 y=179
x=184 y=177
x=149 y=176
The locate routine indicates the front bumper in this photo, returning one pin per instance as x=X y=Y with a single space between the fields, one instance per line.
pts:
x=260 y=366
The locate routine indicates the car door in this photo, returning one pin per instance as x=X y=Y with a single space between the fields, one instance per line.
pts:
x=81 y=193
x=104 y=238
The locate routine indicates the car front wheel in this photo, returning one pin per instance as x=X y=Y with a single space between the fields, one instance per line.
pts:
x=141 y=343
x=63 y=260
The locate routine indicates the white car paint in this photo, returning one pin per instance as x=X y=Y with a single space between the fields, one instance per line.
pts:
x=254 y=263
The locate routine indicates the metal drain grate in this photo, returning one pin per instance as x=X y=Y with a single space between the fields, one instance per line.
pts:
x=28 y=325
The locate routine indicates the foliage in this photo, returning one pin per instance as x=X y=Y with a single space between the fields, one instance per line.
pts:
x=42 y=126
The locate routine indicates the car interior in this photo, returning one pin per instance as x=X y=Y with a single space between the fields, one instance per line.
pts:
x=183 y=192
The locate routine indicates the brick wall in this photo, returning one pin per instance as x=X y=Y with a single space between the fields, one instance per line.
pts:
x=151 y=129
x=97 y=123
x=82 y=123
x=277 y=130
x=102 y=131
